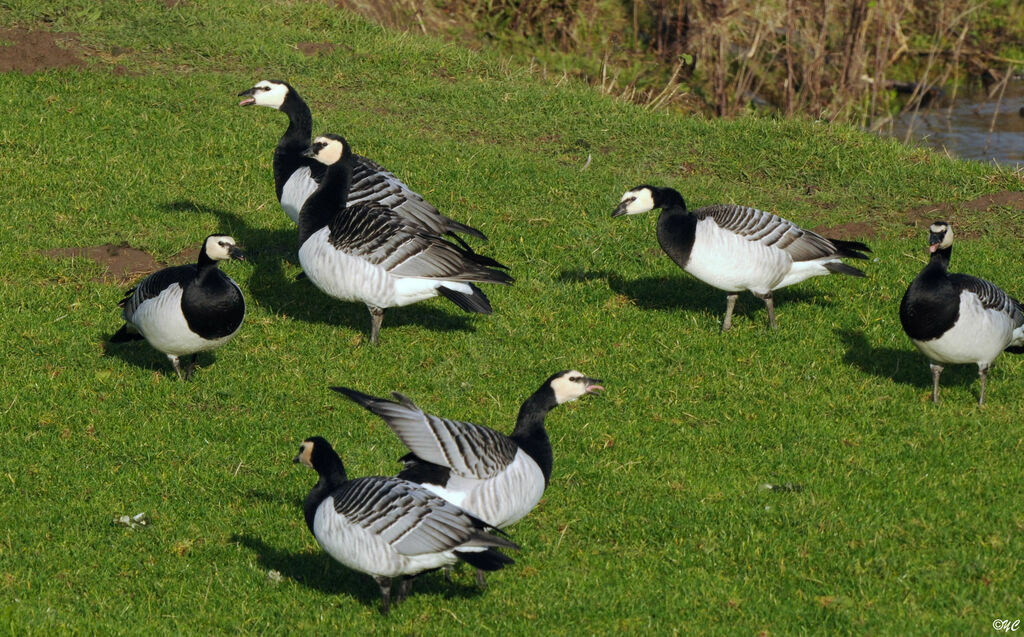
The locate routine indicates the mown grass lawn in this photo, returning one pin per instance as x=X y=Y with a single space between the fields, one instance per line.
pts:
x=899 y=516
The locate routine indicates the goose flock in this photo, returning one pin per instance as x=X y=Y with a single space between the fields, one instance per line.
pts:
x=365 y=236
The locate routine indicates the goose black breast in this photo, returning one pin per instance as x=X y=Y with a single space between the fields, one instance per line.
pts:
x=930 y=307
x=676 y=234
x=213 y=305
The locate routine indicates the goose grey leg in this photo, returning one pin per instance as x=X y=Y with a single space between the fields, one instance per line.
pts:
x=190 y=369
x=177 y=365
x=770 y=305
x=730 y=303
x=385 y=594
x=983 y=372
x=404 y=588
x=376 y=318
x=481 y=579
x=936 y=371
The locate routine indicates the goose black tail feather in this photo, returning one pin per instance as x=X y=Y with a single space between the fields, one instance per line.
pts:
x=489 y=560
x=1015 y=349
x=836 y=267
x=850 y=249
x=125 y=334
x=474 y=302
x=455 y=226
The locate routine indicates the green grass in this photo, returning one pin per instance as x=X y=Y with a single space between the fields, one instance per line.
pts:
x=656 y=519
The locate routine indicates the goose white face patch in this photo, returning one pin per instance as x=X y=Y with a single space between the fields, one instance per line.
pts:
x=947 y=238
x=642 y=201
x=330 y=150
x=269 y=94
x=305 y=454
x=218 y=247
x=569 y=386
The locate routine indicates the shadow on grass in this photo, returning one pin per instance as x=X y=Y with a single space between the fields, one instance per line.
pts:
x=279 y=292
x=319 y=571
x=140 y=354
x=904 y=366
x=689 y=294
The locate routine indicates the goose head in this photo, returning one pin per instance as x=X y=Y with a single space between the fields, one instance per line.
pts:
x=221 y=247
x=269 y=93
x=570 y=385
x=328 y=149
x=940 y=236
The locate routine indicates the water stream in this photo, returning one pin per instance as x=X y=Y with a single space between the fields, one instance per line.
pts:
x=962 y=128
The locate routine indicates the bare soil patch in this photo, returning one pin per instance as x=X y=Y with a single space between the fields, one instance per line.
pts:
x=124 y=263
x=316 y=48
x=970 y=216
x=33 y=51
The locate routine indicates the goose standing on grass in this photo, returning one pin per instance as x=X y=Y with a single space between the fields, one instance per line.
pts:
x=186 y=309
x=736 y=248
x=957 y=318
x=495 y=477
x=388 y=527
x=363 y=252
x=296 y=176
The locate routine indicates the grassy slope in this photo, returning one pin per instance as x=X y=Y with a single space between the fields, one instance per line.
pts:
x=655 y=517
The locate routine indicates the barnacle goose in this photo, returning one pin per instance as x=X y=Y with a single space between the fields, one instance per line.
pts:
x=736 y=248
x=389 y=527
x=186 y=309
x=297 y=176
x=957 y=318
x=362 y=251
x=495 y=477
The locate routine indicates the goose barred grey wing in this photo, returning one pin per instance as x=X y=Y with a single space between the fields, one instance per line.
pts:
x=468 y=450
x=411 y=519
x=992 y=297
x=769 y=230
x=372 y=183
x=382 y=237
x=153 y=285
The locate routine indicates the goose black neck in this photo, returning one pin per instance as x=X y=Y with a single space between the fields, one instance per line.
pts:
x=940 y=258
x=530 y=434
x=328 y=199
x=205 y=262
x=668 y=199
x=332 y=475
x=300 y=122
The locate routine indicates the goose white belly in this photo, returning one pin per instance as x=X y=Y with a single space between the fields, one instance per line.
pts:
x=500 y=501
x=161 y=321
x=296 y=191
x=364 y=551
x=352 y=278
x=978 y=336
x=729 y=262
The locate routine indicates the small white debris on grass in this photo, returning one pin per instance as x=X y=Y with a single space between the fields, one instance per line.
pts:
x=132 y=521
x=274 y=576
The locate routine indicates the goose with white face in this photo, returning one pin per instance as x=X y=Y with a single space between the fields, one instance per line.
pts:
x=634 y=202
x=267 y=93
x=572 y=385
x=940 y=236
x=326 y=149
x=221 y=247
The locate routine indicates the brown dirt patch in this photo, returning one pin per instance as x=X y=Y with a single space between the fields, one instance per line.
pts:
x=33 y=51
x=848 y=231
x=123 y=262
x=316 y=48
x=966 y=214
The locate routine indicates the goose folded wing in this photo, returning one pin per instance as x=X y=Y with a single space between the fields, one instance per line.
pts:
x=372 y=183
x=770 y=230
x=469 y=450
x=992 y=297
x=154 y=284
x=411 y=519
